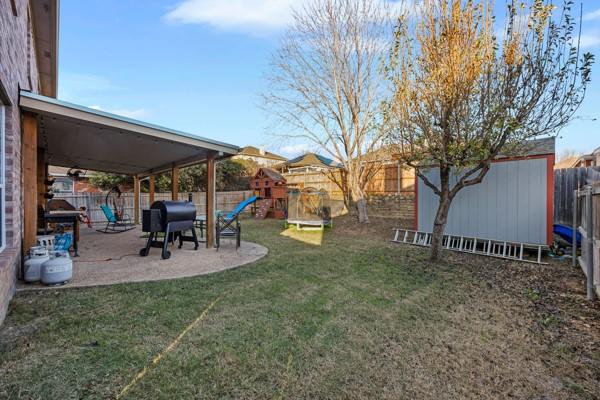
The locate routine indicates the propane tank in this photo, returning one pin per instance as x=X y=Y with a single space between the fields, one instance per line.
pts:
x=33 y=265
x=57 y=270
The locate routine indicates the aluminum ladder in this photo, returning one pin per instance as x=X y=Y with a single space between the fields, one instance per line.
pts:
x=469 y=244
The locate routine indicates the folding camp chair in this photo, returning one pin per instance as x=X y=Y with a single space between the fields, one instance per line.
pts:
x=228 y=225
x=113 y=224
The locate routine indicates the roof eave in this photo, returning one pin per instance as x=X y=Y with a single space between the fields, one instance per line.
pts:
x=45 y=18
x=36 y=103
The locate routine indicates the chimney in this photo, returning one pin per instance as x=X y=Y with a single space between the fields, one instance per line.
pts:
x=261 y=151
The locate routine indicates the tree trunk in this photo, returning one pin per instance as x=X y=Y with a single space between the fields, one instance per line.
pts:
x=361 y=207
x=439 y=224
x=359 y=197
x=441 y=216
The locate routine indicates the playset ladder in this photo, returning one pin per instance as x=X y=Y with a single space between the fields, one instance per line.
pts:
x=468 y=244
x=263 y=207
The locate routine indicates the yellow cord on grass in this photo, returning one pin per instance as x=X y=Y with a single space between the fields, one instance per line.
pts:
x=169 y=348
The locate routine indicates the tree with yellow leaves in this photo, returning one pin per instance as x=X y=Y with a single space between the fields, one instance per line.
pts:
x=462 y=96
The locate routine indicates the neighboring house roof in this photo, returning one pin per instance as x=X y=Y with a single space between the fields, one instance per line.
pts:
x=568 y=162
x=312 y=160
x=586 y=157
x=256 y=152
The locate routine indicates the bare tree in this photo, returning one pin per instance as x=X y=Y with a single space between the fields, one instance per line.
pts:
x=325 y=85
x=461 y=96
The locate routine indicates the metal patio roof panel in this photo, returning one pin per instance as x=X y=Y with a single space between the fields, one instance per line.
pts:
x=77 y=136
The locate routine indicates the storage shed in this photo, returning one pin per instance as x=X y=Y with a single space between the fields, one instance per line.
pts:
x=514 y=202
x=271 y=187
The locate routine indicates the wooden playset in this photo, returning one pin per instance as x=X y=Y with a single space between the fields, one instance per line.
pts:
x=271 y=187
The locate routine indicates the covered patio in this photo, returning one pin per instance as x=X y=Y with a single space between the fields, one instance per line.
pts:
x=111 y=259
x=69 y=135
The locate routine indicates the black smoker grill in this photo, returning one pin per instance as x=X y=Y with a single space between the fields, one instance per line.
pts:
x=172 y=218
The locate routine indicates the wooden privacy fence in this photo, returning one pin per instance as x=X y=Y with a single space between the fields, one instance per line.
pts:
x=391 y=179
x=566 y=181
x=587 y=212
x=226 y=201
x=577 y=204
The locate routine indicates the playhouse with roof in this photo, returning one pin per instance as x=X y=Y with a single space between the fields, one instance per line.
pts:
x=271 y=187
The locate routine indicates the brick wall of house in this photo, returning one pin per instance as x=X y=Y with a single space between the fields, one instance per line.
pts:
x=18 y=69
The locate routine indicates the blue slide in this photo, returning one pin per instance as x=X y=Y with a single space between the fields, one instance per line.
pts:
x=240 y=207
x=566 y=232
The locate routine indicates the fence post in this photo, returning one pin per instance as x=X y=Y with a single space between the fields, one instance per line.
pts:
x=589 y=243
x=574 y=248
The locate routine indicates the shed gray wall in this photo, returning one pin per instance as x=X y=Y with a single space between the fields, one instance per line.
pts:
x=509 y=204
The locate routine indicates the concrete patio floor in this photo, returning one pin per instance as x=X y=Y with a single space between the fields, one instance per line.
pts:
x=106 y=259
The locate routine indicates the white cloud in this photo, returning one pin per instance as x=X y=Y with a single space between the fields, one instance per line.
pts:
x=235 y=14
x=246 y=15
x=127 y=113
x=589 y=40
x=592 y=15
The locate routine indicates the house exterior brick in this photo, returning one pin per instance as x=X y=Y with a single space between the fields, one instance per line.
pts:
x=18 y=70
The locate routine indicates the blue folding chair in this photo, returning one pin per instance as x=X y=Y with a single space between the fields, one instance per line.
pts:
x=228 y=225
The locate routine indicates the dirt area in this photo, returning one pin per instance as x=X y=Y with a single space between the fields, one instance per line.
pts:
x=549 y=300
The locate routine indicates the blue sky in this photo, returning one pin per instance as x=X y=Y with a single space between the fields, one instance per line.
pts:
x=199 y=65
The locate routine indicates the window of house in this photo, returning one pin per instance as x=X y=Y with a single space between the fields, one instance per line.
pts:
x=2 y=181
x=62 y=185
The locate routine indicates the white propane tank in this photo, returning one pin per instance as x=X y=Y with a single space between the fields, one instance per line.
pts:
x=33 y=265
x=57 y=270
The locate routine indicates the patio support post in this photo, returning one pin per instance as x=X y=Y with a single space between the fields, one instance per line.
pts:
x=29 y=167
x=151 y=189
x=210 y=200
x=175 y=183
x=136 y=199
x=41 y=175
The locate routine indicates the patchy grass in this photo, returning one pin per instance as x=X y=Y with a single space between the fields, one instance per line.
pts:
x=345 y=316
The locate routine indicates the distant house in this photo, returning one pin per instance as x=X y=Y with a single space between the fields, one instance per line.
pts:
x=260 y=156
x=391 y=189
x=588 y=160
x=308 y=162
x=71 y=181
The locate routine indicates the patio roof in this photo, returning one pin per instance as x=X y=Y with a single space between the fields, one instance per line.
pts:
x=76 y=136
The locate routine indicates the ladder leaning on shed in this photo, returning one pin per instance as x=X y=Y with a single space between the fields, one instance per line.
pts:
x=468 y=244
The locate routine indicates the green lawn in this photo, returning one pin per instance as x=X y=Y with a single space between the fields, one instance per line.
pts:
x=348 y=316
